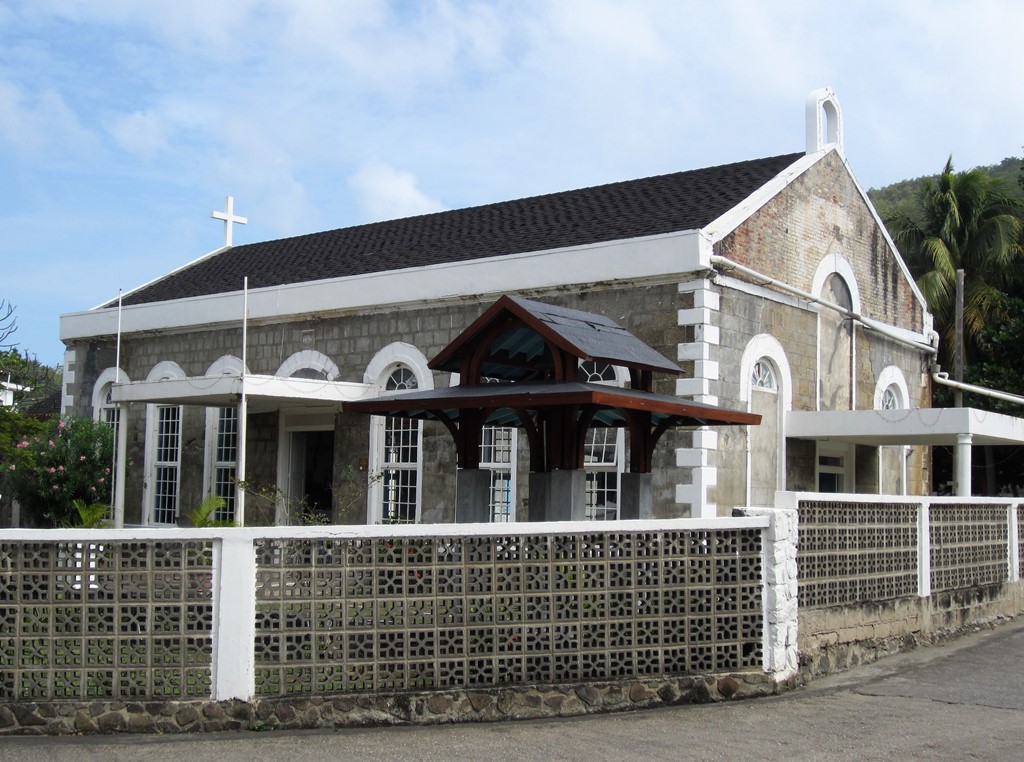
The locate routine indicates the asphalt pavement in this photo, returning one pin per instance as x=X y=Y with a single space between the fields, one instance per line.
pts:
x=959 y=701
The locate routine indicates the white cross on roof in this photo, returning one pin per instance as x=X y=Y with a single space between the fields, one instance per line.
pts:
x=229 y=218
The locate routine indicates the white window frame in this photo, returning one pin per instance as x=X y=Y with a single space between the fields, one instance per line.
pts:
x=845 y=469
x=166 y=466
x=598 y=472
x=221 y=473
x=379 y=371
x=163 y=371
x=213 y=463
x=502 y=444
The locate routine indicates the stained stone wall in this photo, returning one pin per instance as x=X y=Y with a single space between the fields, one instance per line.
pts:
x=351 y=341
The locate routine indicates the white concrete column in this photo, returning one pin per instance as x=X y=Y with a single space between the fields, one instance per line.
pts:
x=234 y=617
x=924 y=550
x=1014 y=542
x=120 y=464
x=781 y=614
x=962 y=465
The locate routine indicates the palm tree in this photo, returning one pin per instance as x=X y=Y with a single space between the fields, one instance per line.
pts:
x=963 y=220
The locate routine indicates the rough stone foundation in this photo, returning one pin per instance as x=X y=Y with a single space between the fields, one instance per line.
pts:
x=839 y=638
x=69 y=718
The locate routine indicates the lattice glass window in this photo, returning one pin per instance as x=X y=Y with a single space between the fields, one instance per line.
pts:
x=763 y=376
x=398 y=458
x=225 y=465
x=596 y=373
x=167 y=464
x=602 y=460
x=497 y=455
x=891 y=398
x=110 y=415
x=401 y=379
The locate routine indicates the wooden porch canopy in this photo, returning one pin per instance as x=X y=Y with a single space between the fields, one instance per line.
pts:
x=519 y=366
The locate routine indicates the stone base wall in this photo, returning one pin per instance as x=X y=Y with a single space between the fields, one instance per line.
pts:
x=520 y=703
x=839 y=638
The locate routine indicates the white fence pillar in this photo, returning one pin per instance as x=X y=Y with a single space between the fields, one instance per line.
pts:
x=234 y=618
x=780 y=588
x=924 y=550
x=1013 y=537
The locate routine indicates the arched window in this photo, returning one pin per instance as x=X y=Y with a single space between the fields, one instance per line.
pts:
x=767 y=388
x=604 y=451
x=763 y=376
x=890 y=398
x=401 y=379
x=396 y=444
x=400 y=458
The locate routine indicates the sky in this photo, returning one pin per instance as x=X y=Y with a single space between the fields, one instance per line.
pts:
x=125 y=123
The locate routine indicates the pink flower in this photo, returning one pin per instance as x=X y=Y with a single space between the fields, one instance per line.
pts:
x=100 y=480
x=106 y=471
x=60 y=425
x=51 y=443
x=53 y=471
x=81 y=458
x=60 y=468
x=93 y=489
x=23 y=444
x=54 y=487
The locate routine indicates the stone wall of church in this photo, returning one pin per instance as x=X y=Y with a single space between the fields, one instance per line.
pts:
x=822 y=213
x=351 y=342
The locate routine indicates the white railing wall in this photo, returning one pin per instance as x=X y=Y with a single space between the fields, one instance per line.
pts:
x=858 y=548
x=278 y=611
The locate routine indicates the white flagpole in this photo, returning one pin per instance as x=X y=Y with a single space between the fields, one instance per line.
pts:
x=242 y=410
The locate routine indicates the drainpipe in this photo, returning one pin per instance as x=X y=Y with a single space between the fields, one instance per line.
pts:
x=941 y=377
x=767 y=280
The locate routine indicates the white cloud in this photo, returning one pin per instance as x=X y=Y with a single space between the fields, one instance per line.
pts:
x=41 y=124
x=388 y=193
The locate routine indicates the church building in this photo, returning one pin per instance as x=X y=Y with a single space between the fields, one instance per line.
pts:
x=763 y=288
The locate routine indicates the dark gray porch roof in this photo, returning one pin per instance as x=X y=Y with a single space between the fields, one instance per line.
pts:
x=503 y=400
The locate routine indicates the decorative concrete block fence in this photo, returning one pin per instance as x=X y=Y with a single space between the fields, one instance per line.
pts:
x=244 y=613
x=202 y=629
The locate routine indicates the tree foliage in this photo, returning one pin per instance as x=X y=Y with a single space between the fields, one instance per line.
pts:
x=962 y=220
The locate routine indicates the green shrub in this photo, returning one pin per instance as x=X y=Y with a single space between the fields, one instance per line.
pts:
x=70 y=460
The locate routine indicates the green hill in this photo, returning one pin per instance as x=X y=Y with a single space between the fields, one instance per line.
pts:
x=900 y=195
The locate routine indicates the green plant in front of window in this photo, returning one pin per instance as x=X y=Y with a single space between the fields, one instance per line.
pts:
x=204 y=515
x=69 y=460
x=89 y=515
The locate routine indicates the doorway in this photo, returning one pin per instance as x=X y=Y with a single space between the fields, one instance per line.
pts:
x=311 y=475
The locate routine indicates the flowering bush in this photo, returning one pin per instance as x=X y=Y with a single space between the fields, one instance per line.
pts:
x=70 y=460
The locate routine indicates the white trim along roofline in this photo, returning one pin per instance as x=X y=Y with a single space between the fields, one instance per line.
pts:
x=621 y=260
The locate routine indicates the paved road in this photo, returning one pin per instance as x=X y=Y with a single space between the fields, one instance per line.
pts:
x=961 y=701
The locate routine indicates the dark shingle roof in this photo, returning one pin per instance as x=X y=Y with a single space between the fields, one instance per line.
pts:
x=630 y=209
